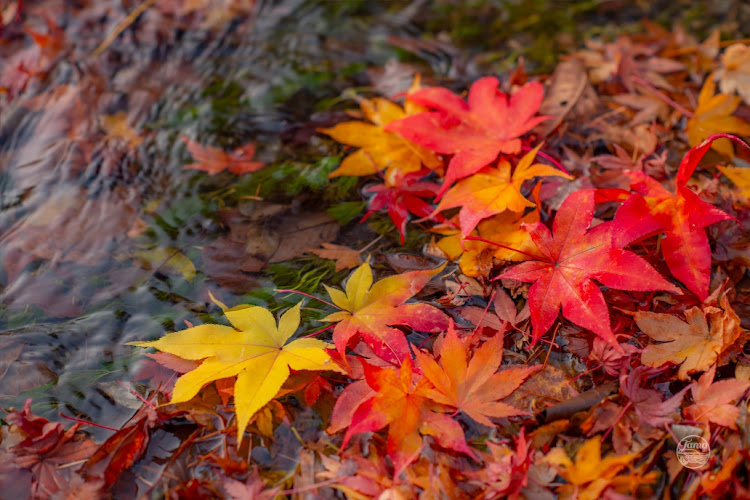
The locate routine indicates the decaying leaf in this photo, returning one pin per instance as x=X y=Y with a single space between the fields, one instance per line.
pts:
x=345 y=257
x=713 y=401
x=213 y=160
x=695 y=343
x=734 y=73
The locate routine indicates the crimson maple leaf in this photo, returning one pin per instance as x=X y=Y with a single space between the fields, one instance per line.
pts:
x=682 y=216
x=570 y=260
x=214 y=160
x=46 y=450
x=402 y=197
x=475 y=132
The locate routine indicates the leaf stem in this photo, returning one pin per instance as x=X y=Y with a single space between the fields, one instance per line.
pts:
x=489 y=303
x=664 y=97
x=318 y=331
x=547 y=157
x=619 y=417
x=477 y=238
x=286 y=290
x=88 y=422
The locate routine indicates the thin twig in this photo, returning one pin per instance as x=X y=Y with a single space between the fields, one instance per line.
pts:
x=664 y=97
x=477 y=238
x=130 y=19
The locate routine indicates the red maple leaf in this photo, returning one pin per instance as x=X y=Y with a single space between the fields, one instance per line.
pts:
x=402 y=198
x=214 y=160
x=475 y=132
x=47 y=450
x=681 y=215
x=570 y=260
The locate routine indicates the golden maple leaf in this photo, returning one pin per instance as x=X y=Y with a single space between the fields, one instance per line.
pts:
x=740 y=176
x=380 y=149
x=255 y=351
x=714 y=116
x=494 y=190
x=590 y=474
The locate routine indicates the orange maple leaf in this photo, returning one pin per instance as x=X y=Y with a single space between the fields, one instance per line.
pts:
x=494 y=190
x=401 y=402
x=214 y=160
x=473 y=387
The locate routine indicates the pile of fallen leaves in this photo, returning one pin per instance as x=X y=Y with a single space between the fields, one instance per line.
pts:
x=573 y=319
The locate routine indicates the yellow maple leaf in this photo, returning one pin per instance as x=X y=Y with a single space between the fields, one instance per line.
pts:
x=740 y=176
x=589 y=475
x=379 y=149
x=714 y=116
x=255 y=351
x=693 y=344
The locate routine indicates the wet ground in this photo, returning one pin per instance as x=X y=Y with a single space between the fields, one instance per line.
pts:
x=105 y=236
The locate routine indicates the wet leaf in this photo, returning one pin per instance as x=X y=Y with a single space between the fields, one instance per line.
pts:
x=713 y=401
x=345 y=257
x=213 y=160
